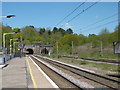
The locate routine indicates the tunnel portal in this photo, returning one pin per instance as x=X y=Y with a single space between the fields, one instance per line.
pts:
x=29 y=51
x=44 y=51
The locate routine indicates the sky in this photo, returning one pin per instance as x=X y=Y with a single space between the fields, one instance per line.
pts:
x=49 y=14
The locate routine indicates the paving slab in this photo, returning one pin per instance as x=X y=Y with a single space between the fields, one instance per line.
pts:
x=1 y=66
x=0 y=79
x=15 y=74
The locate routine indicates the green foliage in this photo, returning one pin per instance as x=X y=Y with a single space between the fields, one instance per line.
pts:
x=49 y=32
x=55 y=29
x=68 y=38
x=69 y=31
x=6 y=29
x=17 y=30
x=29 y=33
x=42 y=30
x=62 y=31
x=83 y=39
x=85 y=46
x=95 y=40
x=104 y=37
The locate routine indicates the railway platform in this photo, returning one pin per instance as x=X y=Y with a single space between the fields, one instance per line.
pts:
x=23 y=73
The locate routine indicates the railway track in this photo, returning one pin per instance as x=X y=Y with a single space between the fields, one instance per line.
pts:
x=92 y=59
x=105 y=81
x=56 y=77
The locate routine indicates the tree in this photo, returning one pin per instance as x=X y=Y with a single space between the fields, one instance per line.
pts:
x=115 y=36
x=42 y=30
x=68 y=38
x=83 y=39
x=6 y=29
x=69 y=31
x=94 y=39
x=29 y=33
x=55 y=29
x=49 y=32
x=39 y=38
x=104 y=32
x=62 y=31
x=104 y=36
x=31 y=26
x=16 y=30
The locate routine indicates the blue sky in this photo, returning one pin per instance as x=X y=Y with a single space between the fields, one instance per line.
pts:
x=48 y=14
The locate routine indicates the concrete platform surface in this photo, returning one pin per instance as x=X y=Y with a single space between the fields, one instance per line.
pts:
x=39 y=78
x=1 y=66
x=23 y=73
x=15 y=75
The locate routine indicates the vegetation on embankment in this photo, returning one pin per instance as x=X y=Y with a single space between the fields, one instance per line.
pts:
x=100 y=66
x=68 y=42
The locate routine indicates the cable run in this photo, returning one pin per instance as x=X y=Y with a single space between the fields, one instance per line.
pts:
x=83 y=11
x=71 y=12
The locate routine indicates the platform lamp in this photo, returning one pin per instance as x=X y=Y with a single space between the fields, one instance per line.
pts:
x=4 y=46
x=15 y=46
x=8 y=16
x=11 y=47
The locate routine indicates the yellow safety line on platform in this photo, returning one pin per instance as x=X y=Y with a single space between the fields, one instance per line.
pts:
x=33 y=79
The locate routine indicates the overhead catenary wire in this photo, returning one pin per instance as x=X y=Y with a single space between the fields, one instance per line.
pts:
x=71 y=12
x=99 y=21
x=99 y=26
x=83 y=11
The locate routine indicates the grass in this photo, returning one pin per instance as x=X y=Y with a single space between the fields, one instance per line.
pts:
x=95 y=55
x=102 y=66
x=110 y=56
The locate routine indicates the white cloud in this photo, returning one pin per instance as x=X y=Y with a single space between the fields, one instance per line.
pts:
x=66 y=25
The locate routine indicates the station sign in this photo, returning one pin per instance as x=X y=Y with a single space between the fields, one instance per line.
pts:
x=20 y=45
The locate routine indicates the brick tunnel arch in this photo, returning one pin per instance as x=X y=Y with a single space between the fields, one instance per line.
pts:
x=30 y=51
x=44 y=51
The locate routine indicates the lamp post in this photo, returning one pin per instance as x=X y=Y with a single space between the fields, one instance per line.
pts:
x=8 y=16
x=11 y=47
x=4 y=37
x=14 y=45
x=4 y=43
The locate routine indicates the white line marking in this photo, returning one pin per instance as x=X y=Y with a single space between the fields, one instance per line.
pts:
x=71 y=78
x=54 y=85
x=30 y=70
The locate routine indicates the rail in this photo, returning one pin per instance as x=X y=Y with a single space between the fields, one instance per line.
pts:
x=111 y=83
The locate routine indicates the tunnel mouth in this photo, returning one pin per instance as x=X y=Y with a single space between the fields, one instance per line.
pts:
x=44 y=51
x=29 y=51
